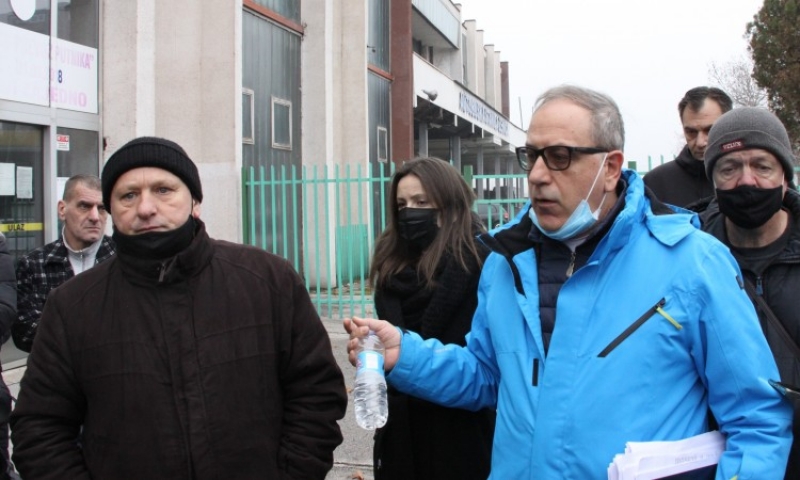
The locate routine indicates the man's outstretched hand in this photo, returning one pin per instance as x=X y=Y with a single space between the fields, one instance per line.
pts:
x=388 y=334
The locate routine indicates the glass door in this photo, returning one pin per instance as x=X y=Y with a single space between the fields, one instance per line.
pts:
x=21 y=186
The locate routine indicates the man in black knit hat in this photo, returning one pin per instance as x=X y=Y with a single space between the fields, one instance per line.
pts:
x=757 y=215
x=183 y=357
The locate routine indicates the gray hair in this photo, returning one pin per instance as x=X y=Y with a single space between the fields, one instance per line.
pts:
x=608 y=130
x=92 y=182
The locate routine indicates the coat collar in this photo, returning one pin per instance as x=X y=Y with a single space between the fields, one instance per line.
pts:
x=691 y=165
x=714 y=223
x=181 y=267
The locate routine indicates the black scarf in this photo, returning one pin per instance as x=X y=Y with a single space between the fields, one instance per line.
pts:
x=156 y=245
x=406 y=302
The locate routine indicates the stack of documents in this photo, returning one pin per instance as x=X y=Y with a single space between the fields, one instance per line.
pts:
x=693 y=458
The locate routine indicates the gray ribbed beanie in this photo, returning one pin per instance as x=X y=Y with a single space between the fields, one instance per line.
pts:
x=151 y=152
x=744 y=128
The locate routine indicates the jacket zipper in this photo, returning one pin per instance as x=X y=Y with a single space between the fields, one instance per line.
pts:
x=162 y=272
x=759 y=286
x=632 y=328
x=571 y=267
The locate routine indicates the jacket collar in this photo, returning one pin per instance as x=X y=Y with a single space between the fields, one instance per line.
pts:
x=57 y=253
x=691 y=165
x=668 y=224
x=181 y=267
x=714 y=223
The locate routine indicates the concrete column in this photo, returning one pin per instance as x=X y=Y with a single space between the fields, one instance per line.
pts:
x=479 y=171
x=455 y=151
x=401 y=58
x=180 y=80
x=422 y=129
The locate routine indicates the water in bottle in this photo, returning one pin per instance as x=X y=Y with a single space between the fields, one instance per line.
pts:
x=369 y=394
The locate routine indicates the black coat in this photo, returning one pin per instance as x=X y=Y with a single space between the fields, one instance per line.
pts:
x=8 y=291
x=422 y=440
x=8 y=313
x=781 y=287
x=681 y=182
x=211 y=365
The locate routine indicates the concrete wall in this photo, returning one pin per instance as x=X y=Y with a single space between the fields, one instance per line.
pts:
x=335 y=111
x=173 y=69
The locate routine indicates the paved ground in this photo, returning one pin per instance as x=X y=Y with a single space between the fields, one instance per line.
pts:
x=353 y=456
x=355 y=453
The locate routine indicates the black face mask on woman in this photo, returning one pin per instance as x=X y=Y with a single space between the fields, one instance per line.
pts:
x=748 y=206
x=418 y=226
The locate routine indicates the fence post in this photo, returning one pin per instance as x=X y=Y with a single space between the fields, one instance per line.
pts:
x=468 y=175
x=245 y=207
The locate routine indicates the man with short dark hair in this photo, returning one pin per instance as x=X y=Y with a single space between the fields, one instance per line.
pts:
x=82 y=245
x=757 y=215
x=183 y=357
x=683 y=181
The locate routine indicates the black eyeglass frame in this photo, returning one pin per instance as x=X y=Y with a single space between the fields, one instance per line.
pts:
x=522 y=155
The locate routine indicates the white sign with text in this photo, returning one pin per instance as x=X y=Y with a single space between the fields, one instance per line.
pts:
x=73 y=77
x=24 y=56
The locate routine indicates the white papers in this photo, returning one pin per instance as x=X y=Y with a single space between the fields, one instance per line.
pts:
x=656 y=460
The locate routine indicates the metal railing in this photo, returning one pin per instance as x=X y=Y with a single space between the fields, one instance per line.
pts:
x=325 y=219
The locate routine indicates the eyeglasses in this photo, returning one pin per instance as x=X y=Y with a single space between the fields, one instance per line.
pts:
x=556 y=157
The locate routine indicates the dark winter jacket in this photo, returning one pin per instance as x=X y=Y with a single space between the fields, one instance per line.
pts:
x=39 y=272
x=8 y=291
x=780 y=287
x=422 y=440
x=681 y=182
x=210 y=365
x=8 y=313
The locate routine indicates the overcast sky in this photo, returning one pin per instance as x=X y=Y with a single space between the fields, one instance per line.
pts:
x=644 y=54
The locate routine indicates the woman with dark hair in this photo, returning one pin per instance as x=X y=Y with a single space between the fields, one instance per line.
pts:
x=425 y=272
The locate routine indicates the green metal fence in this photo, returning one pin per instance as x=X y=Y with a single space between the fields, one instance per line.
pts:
x=325 y=219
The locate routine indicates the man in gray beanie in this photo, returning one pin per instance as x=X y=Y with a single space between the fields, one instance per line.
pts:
x=757 y=215
x=183 y=357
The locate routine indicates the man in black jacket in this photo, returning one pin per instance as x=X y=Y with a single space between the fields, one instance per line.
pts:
x=756 y=213
x=180 y=358
x=81 y=246
x=8 y=312
x=683 y=182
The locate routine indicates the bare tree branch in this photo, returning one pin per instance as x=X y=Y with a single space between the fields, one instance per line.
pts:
x=735 y=78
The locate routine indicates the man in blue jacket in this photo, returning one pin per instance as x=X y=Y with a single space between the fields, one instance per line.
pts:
x=604 y=317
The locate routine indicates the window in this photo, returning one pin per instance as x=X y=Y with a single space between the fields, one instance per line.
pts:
x=383 y=144
x=248 y=116
x=78 y=22
x=281 y=123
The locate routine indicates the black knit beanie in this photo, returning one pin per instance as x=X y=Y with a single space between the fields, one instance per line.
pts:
x=749 y=127
x=151 y=152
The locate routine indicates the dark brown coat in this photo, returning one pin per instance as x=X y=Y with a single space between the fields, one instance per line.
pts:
x=214 y=366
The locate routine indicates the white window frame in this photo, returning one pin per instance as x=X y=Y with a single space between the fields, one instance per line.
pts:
x=251 y=138
x=383 y=131
x=285 y=103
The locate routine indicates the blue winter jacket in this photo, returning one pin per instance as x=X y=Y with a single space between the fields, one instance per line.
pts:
x=649 y=334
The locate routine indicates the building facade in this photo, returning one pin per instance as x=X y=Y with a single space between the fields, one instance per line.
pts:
x=270 y=86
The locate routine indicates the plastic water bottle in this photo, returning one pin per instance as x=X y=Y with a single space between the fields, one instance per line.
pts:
x=369 y=394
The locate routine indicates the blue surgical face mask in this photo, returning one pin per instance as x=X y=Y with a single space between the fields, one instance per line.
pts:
x=580 y=220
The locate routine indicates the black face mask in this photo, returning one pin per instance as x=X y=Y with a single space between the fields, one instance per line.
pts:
x=418 y=226
x=156 y=245
x=748 y=206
